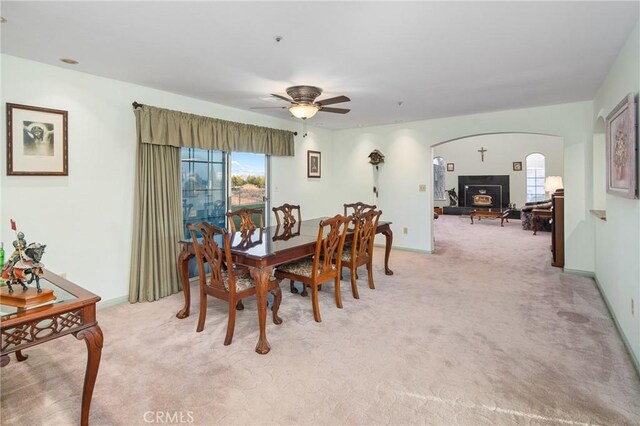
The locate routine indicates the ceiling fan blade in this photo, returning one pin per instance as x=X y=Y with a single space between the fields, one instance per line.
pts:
x=267 y=107
x=331 y=101
x=335 y=110
x=282 y=97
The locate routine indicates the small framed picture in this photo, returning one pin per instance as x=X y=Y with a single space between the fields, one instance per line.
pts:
x=450 y=167
x=622 y=147
x=517 y=166
x=36 y=141
x=313 y=164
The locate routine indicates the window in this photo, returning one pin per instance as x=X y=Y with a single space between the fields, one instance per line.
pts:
x=438 y=178
x=535 y=177
x=204 y=185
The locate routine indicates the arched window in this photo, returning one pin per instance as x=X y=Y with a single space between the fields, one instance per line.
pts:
x=535 y=177
x=438 y=178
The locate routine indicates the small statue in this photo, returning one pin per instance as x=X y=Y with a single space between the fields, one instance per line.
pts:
x=453 y=197
x=25 y=260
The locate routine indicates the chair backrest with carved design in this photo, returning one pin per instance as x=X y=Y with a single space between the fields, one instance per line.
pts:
x=331 y=235
x=208 y=250
x=287 y=214
x=358 y=208
x=246 y=219
x=364 y=235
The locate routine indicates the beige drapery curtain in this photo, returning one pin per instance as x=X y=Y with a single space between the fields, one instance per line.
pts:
x=157 y=224
x=165 y=127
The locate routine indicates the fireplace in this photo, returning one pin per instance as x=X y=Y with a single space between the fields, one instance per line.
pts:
x=484 y=191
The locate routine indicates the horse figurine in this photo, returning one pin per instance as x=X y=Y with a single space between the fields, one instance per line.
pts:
x=23 y=263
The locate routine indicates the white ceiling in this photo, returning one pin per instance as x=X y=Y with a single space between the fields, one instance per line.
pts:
x=439 y=59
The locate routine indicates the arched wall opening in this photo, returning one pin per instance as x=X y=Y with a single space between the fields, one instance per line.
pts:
x=498 y=154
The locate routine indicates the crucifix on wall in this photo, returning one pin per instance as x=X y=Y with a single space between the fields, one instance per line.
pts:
x=482 y=151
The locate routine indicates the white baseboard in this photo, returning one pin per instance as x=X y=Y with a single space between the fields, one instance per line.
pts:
x=111 y=302
x=634 y=359
x=406 y=249
x=580 y=272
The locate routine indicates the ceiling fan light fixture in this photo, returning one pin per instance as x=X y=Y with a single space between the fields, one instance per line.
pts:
x=303 y=111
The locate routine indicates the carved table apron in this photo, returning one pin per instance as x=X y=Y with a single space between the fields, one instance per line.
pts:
x=261 y=266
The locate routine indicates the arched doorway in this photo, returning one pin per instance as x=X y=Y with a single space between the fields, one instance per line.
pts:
x=502 y=155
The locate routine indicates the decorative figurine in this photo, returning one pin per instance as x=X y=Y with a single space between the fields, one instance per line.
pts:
x=453 y=197
x=23 y=262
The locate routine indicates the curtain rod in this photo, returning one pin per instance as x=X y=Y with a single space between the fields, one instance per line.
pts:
x=139 y=105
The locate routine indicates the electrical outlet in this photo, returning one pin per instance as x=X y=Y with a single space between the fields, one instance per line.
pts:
x=422 y=187
x=63 y=274
x=405 y=230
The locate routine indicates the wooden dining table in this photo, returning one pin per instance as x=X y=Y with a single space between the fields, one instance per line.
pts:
x=262 y=251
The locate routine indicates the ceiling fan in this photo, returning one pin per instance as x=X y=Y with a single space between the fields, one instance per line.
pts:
x=304 y=104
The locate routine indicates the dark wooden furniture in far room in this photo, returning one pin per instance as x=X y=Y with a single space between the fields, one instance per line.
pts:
x=557 y=232
x=491 y=214
x=72 y=312
x=325 y=263
x=261 y=258
x=538 y=215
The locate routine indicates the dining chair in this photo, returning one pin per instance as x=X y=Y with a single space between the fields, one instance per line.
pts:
x=224 y=282
x=245 y=217
x=312 y=272
x=287 y=214
x=358 y=208
x=360 y=252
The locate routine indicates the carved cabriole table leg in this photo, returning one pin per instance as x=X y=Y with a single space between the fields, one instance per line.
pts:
x=388 y=234
x=183 y=269
x=261 y=276
x=20 y=356
x=93 y=338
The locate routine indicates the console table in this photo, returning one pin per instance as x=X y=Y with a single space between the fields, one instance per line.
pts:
x=491 y=214
x=72 y=312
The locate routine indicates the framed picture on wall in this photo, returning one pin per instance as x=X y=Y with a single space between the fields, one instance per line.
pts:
x=517 y=166
x=450 y=167
x=36 y=141
x=313 y=164
x=622 y=145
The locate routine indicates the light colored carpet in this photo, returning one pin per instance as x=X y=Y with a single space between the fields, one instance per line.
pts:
x=485 y=331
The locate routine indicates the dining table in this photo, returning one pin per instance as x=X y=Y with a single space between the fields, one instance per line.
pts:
x=263 y=250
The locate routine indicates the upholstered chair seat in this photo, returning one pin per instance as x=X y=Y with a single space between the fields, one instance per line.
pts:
x=303 y=268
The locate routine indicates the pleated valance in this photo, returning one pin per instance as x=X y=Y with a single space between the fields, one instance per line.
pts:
x=160 y=126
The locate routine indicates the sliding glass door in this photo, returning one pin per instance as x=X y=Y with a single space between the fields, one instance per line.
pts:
x=248 y=186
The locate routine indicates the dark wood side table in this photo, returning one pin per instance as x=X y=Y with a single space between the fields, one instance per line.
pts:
x=72 y=312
